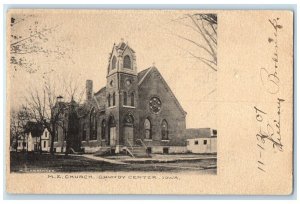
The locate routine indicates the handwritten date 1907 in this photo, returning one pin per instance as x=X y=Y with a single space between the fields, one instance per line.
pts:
x=269 y=132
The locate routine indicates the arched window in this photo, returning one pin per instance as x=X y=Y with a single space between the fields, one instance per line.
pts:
x=108 y=100
x=103 y=127
x=125 y=98
x=132 y=99
x=114 y=99
x=83 y=132
x=164 y=130
x=93 y=125
x=147 y=127
x=127 y=62
x=114 y=62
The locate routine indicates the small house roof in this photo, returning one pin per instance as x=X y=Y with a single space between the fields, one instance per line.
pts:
x=36 y=129
x=193 y=133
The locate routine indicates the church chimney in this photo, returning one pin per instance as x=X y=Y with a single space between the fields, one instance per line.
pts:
x=89 y=89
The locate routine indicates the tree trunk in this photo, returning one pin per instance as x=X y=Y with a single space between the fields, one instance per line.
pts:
x=41 y=150
x=52 y=133
x=17 y=143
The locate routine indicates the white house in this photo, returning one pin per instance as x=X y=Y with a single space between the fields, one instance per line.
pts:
x=22 y=142
x=45 y=139
x=31 y=140
x=202 y=140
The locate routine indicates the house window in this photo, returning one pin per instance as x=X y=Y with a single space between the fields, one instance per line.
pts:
x=83 y=132
x=147 y=127
x=164 y=130
x=204 y=142
x=196 y=142
x=127 y=62
x=46 y=134
x=132 y=99
x=166 y=150
x=103 y=126
x=93 y=125
x=114 y=62
x=44 y=144
x=114 y=99
x=125 y=98
x=214 y=132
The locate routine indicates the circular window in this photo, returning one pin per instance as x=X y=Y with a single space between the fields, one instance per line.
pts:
x=111 y=83
x=155 y=104
x=128 y=82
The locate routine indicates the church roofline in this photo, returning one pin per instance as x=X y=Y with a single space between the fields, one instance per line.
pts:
x=153 y=68
x=148 y=70
x=101 y=90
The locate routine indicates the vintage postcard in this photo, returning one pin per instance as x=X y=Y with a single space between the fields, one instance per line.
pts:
x=149 y=102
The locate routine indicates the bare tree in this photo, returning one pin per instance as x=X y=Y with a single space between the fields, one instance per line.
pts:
x=45 y=105
x=205 y=26
x=18 y=121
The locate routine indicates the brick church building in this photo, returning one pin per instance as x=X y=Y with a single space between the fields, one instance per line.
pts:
x=134 y=111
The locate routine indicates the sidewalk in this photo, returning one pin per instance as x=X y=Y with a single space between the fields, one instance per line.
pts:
x=161 y=158
x=90 y=156
x=156 y=158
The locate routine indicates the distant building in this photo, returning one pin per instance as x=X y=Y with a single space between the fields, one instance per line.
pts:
x=22 y=144
x=31 y=140
x=201 y=140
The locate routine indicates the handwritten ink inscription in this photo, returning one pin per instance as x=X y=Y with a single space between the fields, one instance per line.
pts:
x=269 y=126
x=269 y=77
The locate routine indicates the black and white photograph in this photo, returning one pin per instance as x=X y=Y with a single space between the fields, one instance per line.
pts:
x=113 y=91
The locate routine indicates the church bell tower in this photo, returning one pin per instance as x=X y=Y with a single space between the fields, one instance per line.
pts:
x=122 y=96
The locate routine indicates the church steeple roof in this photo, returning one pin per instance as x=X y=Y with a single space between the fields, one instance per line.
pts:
x=122 y=46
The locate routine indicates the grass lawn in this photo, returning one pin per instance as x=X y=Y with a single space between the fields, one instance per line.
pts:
x=35 y=162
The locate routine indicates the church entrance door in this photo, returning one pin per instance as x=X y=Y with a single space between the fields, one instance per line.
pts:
x=128 y=132
x=113 y=138
x=128 y=129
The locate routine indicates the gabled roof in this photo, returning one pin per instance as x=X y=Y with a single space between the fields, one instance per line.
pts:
x=146 y=72
x=193 y=133
x=142 y=75
x=122 y=45
x=36 y=129
x=103 y=89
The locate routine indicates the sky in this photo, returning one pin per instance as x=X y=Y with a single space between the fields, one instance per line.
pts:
x=87 y=38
